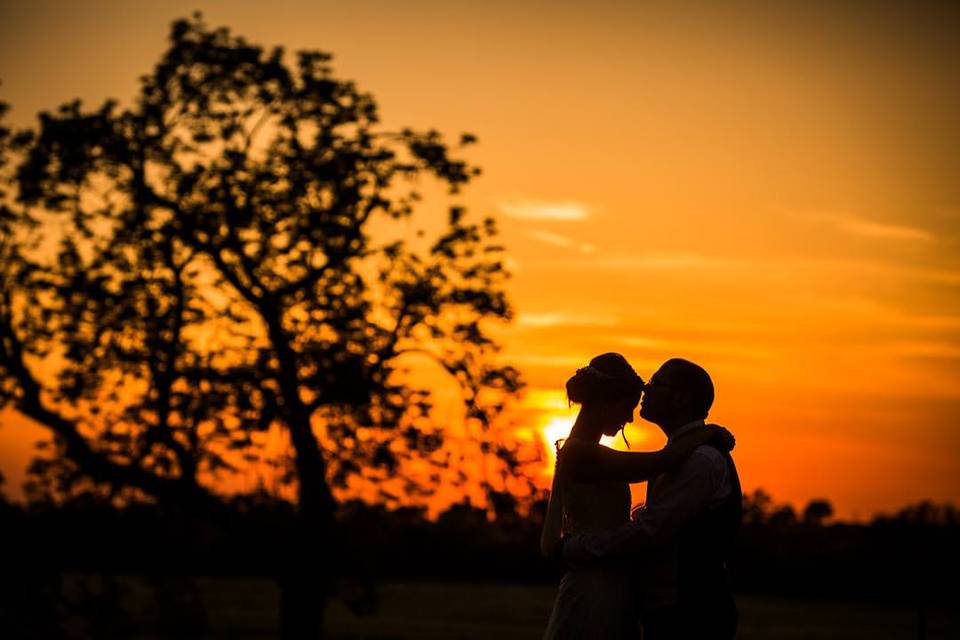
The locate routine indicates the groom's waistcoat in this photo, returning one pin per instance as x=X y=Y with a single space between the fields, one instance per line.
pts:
x=706 y=543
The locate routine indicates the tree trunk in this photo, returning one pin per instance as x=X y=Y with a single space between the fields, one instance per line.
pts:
x=307 y=574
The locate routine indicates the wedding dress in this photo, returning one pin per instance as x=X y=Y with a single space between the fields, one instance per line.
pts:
x=594 y=601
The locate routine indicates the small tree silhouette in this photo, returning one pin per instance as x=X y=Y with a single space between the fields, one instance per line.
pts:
x=230 y=253
x=756 y=507
x=817 y=512
x=782 y=517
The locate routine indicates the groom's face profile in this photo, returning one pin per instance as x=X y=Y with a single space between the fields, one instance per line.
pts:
x=659 y=398
x=678 y=393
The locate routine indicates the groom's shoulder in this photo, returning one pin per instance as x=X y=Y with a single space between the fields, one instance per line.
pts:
x=709 y=451
x=707 y=455
x=710 y=465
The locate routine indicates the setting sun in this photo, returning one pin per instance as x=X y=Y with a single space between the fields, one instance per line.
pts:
x=553 y=431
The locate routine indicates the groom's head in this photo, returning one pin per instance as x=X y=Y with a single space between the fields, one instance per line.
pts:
x=679 y=392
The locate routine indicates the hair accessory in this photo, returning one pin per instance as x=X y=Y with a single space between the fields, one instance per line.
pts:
x=593 y=371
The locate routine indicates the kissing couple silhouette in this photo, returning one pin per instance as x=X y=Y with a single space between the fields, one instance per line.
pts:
x=662 y=568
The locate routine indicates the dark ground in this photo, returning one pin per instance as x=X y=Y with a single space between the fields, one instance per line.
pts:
x=248 y=608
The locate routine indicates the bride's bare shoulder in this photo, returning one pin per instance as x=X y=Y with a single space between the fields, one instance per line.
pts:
x=571 y=447
x=566 y=452
x=575 y=452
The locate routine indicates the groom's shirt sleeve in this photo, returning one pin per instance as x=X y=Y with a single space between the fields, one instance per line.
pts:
x=696 y=486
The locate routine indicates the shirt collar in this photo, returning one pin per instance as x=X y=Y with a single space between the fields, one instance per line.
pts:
x=690 y=426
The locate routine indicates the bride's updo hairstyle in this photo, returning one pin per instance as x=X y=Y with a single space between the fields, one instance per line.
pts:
x=608 y=378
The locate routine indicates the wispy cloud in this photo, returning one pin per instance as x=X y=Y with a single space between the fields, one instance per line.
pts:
x=556 y=319
x=660 y=262
x=871 y=229
x=548 y=360
x=558 y=240
x=778 y=269
x=867 y=311
x=865 y=228
x=726 y=349
x=832 y=267
x=933 y=275
x=926 y=349
x=542 y=210
x=940 y=276
x=638 y=342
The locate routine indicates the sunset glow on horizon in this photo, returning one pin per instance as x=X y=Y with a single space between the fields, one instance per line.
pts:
x=770 y=192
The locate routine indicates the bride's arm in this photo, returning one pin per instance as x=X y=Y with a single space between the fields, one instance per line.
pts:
x=589 y=462
x=553 y=520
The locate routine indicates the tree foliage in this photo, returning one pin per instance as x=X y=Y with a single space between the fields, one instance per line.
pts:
x=817 y=512
x=232 y=253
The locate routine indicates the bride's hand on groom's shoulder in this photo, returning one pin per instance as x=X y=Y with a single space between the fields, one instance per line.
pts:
x=721 y=437
x=680 y=448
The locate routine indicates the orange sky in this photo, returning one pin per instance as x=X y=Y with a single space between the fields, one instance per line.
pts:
x=769 y=191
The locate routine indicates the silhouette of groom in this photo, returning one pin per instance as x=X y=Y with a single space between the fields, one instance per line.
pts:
x=681 y=539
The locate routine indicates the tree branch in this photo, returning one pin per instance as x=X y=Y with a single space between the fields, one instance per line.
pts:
x=95 y=464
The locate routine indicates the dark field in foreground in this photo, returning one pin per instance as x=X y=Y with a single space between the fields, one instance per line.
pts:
x=495 y=611
x=248 y=608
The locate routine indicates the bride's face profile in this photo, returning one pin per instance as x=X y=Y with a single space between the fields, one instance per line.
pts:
x=616 y=414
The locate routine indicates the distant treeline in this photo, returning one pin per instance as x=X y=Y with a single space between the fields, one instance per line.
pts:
x=909 y=555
